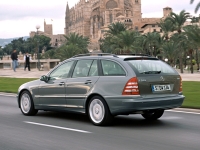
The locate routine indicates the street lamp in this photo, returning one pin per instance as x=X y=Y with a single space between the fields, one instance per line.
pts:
x=166 y=60
x=38 y=65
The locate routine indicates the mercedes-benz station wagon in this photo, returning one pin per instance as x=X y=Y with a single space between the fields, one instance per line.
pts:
x=103 y=86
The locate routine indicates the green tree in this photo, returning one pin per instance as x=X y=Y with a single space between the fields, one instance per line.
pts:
x=167 y=27
x=108 y=44
x=78 y=40
x=193 y=34
x=169 y=50
x=67 y=51
x=126 y=40
x=152 y=42
x=116 y=28
x=197 y=7
x=178 y=20
x=50 y=54
x=1 y=52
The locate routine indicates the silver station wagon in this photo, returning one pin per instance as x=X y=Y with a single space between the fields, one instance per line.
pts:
x=103 y=86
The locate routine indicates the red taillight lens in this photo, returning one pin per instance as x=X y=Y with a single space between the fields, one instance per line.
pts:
x=181 y=85
x=131 y=87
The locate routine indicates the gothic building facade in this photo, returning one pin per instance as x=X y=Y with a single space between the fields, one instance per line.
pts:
x=92 y=17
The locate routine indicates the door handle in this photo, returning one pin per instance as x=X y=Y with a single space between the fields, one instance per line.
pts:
x=62 y=83
x=88 y=82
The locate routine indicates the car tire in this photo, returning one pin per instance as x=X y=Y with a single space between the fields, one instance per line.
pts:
x=26 y=104
x=153 y=114
x=99 y=112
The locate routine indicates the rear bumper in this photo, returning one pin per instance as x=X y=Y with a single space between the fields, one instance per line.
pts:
x=129 y=105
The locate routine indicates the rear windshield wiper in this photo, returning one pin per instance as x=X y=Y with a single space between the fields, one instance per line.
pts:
x=151 y=72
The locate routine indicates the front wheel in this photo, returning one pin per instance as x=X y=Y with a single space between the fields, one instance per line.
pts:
x=26 y=104
x=153 y=114
x=98 y=111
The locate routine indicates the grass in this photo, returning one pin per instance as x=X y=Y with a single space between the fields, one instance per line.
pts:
x=191 y=89
x=11 y=85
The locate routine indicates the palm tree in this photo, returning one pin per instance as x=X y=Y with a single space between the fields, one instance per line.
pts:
x=193 y=33
x=197 y=7
x=50 y=54
x=170 y=50
x=67 y=51
x=178 y=20
x=152 y=41
x=116 y=28
x=167 y=27
x=78 y=40
x=194 y=20
x=126 y=40
x=109 y=44
x=182 y=42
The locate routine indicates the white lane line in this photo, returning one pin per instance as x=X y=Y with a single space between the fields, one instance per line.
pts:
x=184 y=112
x=171 y=118
x=46 y=125
x=9 y=95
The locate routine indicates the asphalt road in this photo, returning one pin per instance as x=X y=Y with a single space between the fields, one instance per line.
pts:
x=65 y=131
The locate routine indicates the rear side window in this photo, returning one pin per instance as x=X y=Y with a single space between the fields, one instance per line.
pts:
x=111 y=68
x=94 y=69
x=150 y=66
x=82 y=68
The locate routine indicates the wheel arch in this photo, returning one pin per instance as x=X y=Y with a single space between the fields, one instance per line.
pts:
x=88 y=100
x=19 y=95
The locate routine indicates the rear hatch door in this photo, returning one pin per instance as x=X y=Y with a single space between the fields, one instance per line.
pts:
x=155 y=77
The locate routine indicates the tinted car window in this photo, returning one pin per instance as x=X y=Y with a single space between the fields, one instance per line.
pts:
x=62 y=71
x=82 y=68
x=94 y=69
x=111 y=68
x=150 y=66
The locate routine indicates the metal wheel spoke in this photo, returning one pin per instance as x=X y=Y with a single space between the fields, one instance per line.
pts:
x=96 y=111
x=25 y=103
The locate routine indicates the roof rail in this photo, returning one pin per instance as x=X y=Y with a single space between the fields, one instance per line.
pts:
x=137 y=54
x=94 y=54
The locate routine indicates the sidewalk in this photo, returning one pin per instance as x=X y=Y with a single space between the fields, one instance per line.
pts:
x=34 y=73
x=20 y=73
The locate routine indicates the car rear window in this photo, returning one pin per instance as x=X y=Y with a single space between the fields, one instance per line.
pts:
x=151 y=66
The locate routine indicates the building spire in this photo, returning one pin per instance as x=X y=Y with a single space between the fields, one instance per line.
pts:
x=67 y=8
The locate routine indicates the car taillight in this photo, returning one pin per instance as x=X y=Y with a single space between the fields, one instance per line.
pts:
x=131 y=87
x=181 y=85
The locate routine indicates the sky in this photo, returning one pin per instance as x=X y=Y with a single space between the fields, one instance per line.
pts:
x=19 y=17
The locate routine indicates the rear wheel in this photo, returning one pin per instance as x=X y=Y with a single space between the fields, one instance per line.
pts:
x=153 y=114
x=26 y=104
x=98 y=111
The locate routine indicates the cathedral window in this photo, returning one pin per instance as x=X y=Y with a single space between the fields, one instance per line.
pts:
x=136 y=1
x=111 y=4
x=111 y=18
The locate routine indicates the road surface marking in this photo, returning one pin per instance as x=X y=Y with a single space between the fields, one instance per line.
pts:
x=171 y=118
x=46 y=125
x=10 y=95
x=184 y=112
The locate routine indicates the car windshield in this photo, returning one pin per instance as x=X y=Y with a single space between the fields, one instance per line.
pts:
x=150 y=66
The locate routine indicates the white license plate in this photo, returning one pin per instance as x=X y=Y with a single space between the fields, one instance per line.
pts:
x=158 y=88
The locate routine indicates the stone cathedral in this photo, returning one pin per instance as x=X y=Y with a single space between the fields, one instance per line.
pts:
x=91 y=18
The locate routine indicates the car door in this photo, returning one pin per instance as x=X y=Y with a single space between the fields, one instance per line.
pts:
x=52 y=93
x=84 y=77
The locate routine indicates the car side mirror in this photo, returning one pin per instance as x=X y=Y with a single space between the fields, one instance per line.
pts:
x=44 y=78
